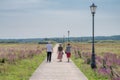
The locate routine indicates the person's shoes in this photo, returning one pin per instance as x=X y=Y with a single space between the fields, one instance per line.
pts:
x=60 y=60
x=68 y=61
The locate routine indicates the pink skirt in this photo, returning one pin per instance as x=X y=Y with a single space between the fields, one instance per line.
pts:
x=60 y=55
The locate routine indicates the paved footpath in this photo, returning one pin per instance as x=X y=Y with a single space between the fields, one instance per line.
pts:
x=58 y=70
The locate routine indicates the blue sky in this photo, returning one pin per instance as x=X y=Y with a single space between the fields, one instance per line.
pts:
x=53 y=18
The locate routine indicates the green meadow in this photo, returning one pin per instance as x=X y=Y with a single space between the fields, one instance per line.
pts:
x=101 y=49
x=20 y=67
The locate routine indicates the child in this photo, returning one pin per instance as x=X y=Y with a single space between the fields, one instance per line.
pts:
x=68 y=51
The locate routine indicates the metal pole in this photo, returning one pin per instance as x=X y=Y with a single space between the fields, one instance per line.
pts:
x=68 y=35
x=93 y=63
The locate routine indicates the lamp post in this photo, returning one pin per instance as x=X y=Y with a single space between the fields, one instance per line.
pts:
x=93 y=63
x=68 y=35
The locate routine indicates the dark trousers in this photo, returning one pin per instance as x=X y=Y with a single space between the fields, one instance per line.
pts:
x=49 y=56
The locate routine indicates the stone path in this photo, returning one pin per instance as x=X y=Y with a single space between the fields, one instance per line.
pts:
x=58 y=70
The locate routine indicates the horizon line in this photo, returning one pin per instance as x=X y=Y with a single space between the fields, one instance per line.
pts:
x=58 y=37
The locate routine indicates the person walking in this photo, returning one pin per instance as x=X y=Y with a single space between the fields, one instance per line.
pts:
x=68 y=51
x=49 y=50
x=60 y=52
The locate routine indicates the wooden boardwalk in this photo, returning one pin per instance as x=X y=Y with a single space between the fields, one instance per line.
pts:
x=58 y=70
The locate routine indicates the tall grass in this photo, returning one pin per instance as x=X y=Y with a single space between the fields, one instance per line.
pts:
x=22 y=64
x=107 y=60
x=86 y=69
x=23 y=69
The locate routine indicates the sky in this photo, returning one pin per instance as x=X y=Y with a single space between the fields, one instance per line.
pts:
x=54 y=18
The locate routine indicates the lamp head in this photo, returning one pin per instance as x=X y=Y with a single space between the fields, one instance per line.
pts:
x=93 y=8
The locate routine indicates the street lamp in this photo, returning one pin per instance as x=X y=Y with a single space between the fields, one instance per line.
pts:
x=68 y=35
x=93 y=63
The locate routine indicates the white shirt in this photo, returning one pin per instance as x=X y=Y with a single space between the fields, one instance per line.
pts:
x=49 y=47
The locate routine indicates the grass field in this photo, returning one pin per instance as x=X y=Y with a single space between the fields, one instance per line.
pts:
x=18 y=61
x=101 y=49
x=23 y=62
